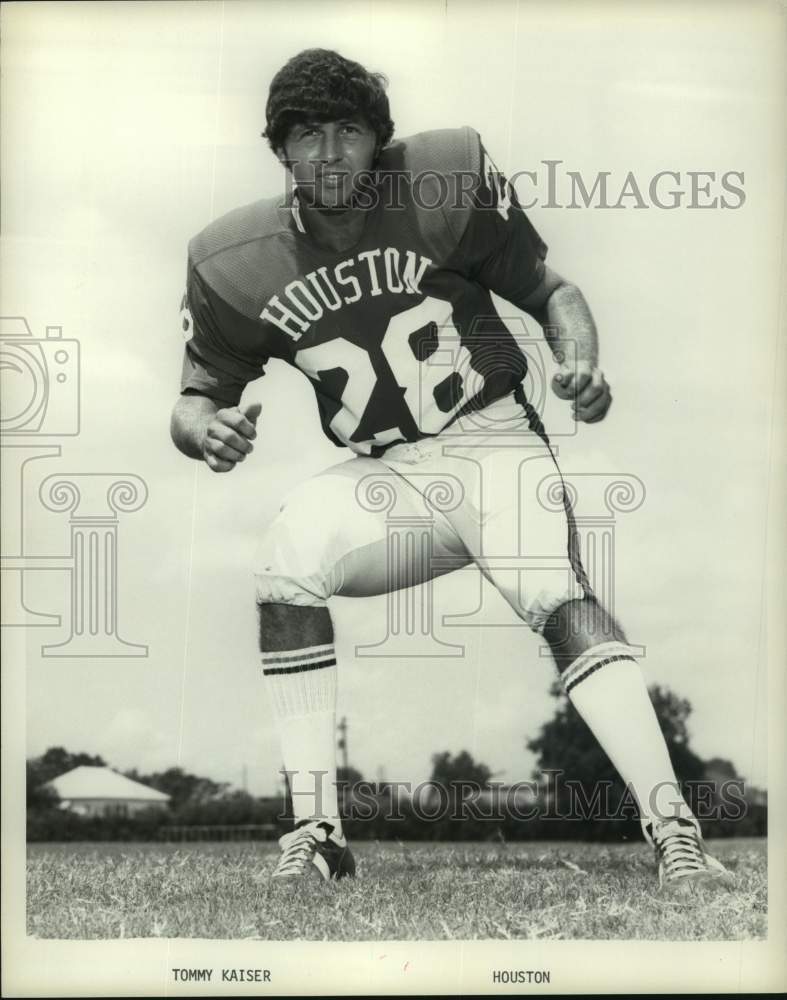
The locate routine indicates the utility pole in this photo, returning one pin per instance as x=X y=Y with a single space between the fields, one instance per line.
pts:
x=285 y=788
x=342 y=743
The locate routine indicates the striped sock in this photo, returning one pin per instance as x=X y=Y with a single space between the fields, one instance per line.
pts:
x=594 y=659
x=301 y=680
x=606 y=686
x=302 y=686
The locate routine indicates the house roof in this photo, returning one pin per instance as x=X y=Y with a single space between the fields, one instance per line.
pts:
x=86 y=782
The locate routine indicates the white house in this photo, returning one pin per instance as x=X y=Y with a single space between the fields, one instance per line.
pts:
x=100 y=791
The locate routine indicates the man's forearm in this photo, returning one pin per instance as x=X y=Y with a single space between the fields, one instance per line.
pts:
x=190 y=418
x=569 y=328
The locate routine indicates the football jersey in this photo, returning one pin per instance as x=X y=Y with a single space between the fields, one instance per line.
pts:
x=398 y=335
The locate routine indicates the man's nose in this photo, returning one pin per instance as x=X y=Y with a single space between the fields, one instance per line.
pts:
x=330 y=150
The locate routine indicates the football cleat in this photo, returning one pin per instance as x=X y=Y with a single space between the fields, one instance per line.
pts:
x=313 y=847
x=683 y=862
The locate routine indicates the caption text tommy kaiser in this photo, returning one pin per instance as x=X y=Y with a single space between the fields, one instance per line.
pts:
x=224 y=975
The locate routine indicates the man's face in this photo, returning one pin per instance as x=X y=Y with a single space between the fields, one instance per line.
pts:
x=326 y=158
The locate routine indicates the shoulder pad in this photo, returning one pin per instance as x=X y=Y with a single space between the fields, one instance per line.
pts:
x=447 y=165
x=230 y=250
x=444 y=150
x=238 y=227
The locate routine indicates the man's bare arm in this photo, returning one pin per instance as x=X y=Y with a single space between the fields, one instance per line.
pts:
x=569 y=329
x=563 y=312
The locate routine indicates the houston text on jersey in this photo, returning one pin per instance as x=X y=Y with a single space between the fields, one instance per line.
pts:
x=373 y=271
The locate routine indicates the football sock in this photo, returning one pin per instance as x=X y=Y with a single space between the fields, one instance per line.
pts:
x=606 y=686
x=301 y=682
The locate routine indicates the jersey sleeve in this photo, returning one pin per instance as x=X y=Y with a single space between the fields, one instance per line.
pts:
x=500 y=246
x=216 y=361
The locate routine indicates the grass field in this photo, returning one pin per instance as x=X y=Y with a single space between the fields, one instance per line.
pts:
x=403 y=891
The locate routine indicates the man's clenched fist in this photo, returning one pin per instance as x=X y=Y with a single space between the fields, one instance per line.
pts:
x=229 y=435
x=587 y=387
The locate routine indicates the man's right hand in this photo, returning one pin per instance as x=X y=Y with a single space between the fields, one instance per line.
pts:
x=229 y=435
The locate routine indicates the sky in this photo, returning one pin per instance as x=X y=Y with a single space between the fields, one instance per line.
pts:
x=129 y=126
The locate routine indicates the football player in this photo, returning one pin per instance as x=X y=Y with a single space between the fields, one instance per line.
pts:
x=373 y=277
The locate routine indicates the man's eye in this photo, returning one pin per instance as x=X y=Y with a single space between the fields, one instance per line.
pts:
x=350 y=128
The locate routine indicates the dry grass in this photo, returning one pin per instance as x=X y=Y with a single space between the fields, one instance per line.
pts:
x=403 y=891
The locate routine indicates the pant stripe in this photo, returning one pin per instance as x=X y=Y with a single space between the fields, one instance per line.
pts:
x=574 y=543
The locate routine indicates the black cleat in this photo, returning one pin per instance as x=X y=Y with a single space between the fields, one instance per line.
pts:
x=311 y=846
x=683 y=862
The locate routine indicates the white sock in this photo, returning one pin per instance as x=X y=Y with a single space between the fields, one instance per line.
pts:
x=302 y=686
x=606 y=686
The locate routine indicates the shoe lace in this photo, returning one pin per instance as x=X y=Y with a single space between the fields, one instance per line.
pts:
x=678 y=850
x=297 y=852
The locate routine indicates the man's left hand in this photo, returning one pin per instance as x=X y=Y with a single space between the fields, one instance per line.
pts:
x=588 y=389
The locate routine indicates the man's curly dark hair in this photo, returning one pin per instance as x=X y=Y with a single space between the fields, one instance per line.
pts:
x=320 y=84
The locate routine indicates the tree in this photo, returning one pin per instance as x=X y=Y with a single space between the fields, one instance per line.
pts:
x=51 y=764
x=566 y=745
x=458 y=780
x=37 y=794
x=181 y=786
x=348 y=776
x=448 y=770
x=719 y=770
x=346 y=780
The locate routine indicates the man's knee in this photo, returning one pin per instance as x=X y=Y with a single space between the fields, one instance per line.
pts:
x=289 y=626
x=538 y=594
x=578 y=625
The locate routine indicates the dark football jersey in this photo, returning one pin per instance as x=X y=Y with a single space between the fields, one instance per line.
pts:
x=399 y=334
